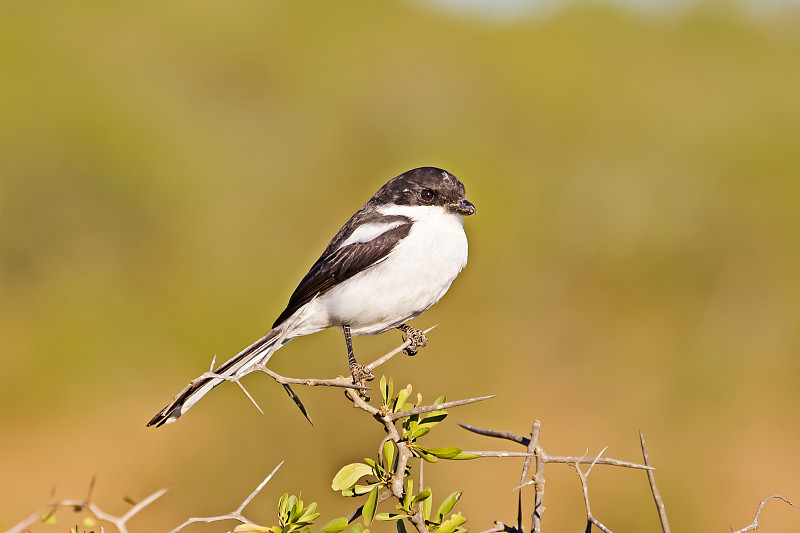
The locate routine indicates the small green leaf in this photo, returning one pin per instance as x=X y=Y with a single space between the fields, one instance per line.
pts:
x=348 y=475
x=388 y=454
x=356 y=528
x=444 y=453
x=402 y=396
x=447 y=505
x=308 y=511
x=358 y=490
x=422 y=496
x=387 y=391
x=334 y=526
x=368 y=511
x=426 y=506
x=251 y=528
x=450 y=525
x=282 y=503
x=440 y=399
x=49 y=518
x=389 y=516
x=419 y=432
x=424 y=455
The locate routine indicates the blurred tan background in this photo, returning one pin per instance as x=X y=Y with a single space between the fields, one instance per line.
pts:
x=170 y=171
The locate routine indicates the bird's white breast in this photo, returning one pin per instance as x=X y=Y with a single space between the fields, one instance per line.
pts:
x=413 y=277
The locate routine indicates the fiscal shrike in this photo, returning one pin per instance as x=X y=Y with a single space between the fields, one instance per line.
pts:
x=392 y=260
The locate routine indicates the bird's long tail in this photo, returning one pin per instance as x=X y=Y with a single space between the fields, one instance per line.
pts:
x=236 y=366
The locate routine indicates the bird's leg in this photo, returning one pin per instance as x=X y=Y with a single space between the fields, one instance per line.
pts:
x=416 y=336
x=359 y=372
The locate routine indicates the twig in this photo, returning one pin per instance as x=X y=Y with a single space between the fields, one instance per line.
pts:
x=538 y=478
x=491 y=453
x=754 y=524
x=120 y=522
x=437 y=407
x=590 y=519
x=234 y=515
x=651 y=478
x=380 y=360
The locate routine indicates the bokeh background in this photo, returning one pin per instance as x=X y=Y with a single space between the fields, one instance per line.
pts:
x=171 y=169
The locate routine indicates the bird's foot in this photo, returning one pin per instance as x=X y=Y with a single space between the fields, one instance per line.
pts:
x=360 y=373
x=417 y=337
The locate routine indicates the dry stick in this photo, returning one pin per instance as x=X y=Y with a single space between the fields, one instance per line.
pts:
x=651 y=478
x=754 y=524
x=590 y=519
x=564 y=459
x=234 y=515
x=340 y=381
x=118 y=521
x=538 y=478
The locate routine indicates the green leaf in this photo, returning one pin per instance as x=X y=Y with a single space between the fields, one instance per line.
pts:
x=251 y=528
x=406 y=503
x=440 y=399
x=418 y=432
x=402 y=396
x=356 y=528
x=282 y=503
x=447 y=505
x=358 y=490
x=388 y=454
x=422 y=496
x=368 y=511
x=450 y=525
x=334 y=526
x=447 y=452
x=433 y=418
x=426 y=506
x=389 y=516
x=348 y=475
x=425 y=455
x=386 y=389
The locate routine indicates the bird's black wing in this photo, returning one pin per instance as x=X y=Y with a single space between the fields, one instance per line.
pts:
x=336 y=265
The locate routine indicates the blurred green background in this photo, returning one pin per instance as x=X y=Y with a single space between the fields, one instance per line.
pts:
x=170 y=171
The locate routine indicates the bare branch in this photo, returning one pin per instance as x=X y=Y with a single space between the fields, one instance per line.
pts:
x=754 y=524
x=234 y=515
x=490 y=453
x=380 y=360
x=437 y=407
x=497 y=434
x=651 y=479
x=590 y=519
x=538 y=478
x=120 y=522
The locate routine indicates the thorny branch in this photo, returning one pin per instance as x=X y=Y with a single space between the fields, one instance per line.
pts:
x=754 y=524
x=345 y=382
x=234 y=515
x=86 y=504
x=651 y=479
x=534 y=456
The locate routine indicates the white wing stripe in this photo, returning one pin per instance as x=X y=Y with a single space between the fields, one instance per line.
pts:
x=370 y=231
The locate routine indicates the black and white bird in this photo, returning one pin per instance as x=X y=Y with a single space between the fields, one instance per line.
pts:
x=394 y=259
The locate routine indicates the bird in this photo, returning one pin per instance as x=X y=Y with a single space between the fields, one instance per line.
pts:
x=391 y=261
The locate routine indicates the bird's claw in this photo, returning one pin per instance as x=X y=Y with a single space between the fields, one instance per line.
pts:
x=417 y=337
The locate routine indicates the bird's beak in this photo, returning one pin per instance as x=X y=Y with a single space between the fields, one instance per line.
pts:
x=464 y=208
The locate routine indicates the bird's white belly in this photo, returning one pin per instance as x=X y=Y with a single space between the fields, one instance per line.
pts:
x=413 y=277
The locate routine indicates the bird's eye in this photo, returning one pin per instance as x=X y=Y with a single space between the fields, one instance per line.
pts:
x=426 y=195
